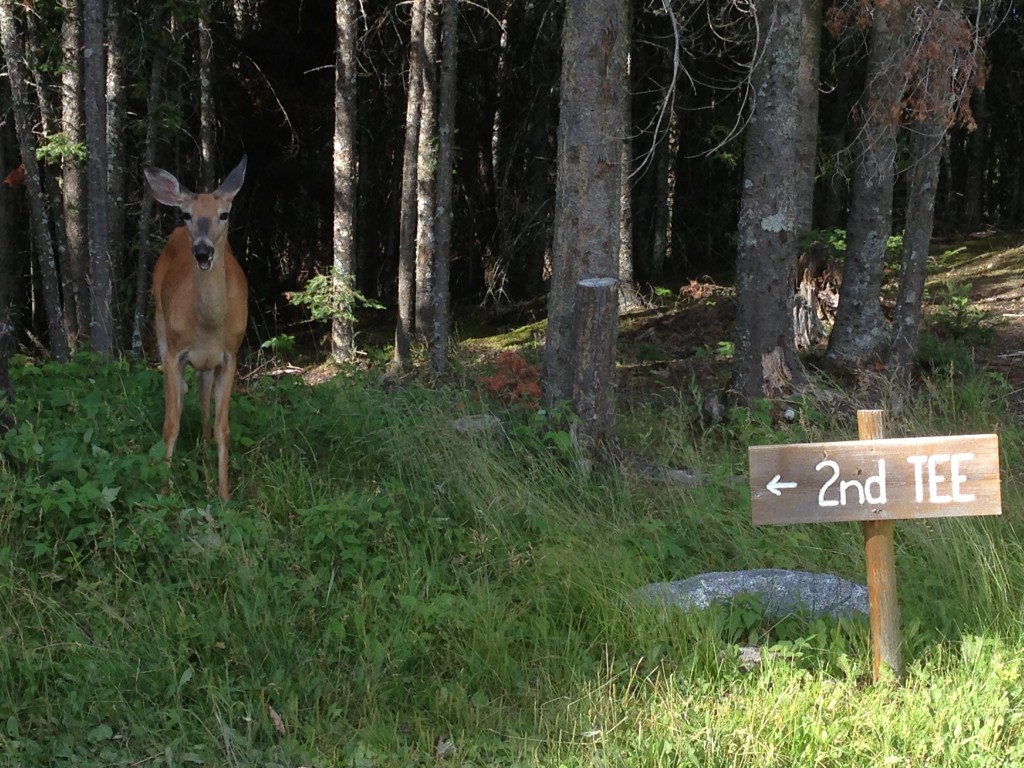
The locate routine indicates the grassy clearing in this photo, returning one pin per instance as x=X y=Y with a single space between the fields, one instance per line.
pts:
x=383 y=586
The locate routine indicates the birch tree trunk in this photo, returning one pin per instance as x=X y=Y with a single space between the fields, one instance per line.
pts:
x=207 y=108
x=10 y=39
x=345 y=181
x=426 y=182
x=410 y=175
x=445 y=165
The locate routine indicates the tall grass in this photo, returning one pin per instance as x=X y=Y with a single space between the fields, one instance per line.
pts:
x=383 y=585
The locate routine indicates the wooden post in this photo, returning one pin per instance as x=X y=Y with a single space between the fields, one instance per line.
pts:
x=880 y=556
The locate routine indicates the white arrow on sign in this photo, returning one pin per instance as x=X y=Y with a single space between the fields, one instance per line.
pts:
x=775 y=485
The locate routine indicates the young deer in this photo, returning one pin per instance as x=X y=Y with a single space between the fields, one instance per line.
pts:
x=201 y=297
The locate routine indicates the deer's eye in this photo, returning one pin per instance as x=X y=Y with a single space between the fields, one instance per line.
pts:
x=186 y=216
x=224 y=216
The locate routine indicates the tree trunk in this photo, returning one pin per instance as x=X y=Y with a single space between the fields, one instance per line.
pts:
x=808 y=83
x=925 y=148
x=207 y=106
x=345 y=164
x=628 y=298
x=935 y=97
x=143 y=254
x=101 y=325
x=977 y=153
x=426 y=175
x=10 y=39
x=36 y=62
x=445 y=165
x=407 y=226
x=116 y=161
x=595 y=45
x=77 y=301
x=766 y=363
x=7 y=290
x=859 y=331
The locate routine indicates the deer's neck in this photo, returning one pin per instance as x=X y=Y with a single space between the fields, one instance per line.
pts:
x=211 y=294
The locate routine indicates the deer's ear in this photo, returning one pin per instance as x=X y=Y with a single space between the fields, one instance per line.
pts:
x=165 y=188
x=230 y=186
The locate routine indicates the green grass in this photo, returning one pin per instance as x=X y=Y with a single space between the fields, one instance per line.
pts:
x=380 y=580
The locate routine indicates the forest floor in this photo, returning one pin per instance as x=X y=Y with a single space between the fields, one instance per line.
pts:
x=680 y=339
x=974 y=300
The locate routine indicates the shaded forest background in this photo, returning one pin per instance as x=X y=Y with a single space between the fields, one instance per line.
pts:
x=273 y=82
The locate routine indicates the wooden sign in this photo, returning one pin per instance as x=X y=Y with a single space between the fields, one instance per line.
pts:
x=875 y=480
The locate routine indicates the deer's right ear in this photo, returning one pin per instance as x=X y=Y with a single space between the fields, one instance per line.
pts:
x=164 y=186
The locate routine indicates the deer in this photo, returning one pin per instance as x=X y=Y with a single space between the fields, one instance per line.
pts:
x=201 y=297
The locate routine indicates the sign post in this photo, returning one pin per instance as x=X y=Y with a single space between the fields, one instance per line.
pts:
x=880 y=559
x=876 y=481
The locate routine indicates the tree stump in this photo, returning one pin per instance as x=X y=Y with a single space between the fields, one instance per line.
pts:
x=594 y=337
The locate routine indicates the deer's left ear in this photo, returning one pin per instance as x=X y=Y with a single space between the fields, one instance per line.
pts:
x=229 y=188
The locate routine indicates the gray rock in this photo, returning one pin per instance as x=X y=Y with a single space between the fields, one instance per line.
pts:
x=781 y=592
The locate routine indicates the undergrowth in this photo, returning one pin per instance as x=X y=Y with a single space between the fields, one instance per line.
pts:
x=388 y=588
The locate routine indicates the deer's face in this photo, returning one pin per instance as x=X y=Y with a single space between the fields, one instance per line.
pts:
x=206 y=214
x=206 y=218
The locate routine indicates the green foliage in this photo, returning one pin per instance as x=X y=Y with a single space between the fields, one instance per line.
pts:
x=280 y=344
x=957 y=318
x=836 y=240
x=56 y=147
x=331 y=296
x=956 y=328
x=381 y=580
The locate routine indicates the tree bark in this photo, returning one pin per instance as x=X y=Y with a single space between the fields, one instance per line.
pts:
x=7 y=291
x=48 y=169
x=426 y=175
x=101 y=325
x=628 y=298
x=207 y=105
x=594 y=337
x=77 y=302
x=13 y=53
x=926 y=144
x=595 y=44
x=345 y=164
x=766 y=363
x=116 y=161
x=859 y=332
x=977 y=152
x=445 y=165
x=808 y=83
x=143 y=254
x=410 y=174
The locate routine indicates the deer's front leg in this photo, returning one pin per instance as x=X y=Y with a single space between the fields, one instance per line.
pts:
x=174 y=393
x=225 y=377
